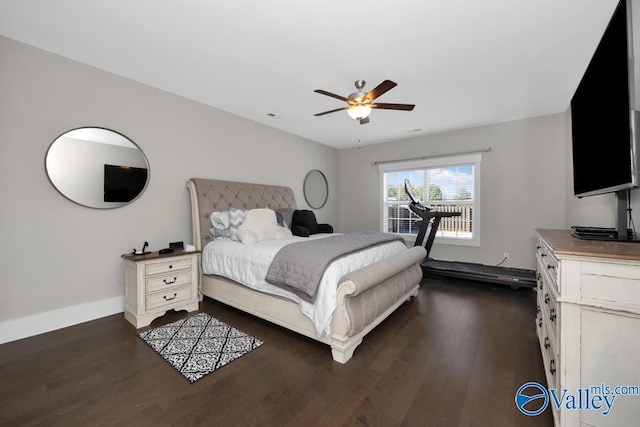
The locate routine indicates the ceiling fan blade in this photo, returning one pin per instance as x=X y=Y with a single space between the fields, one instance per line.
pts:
x=364 y=121
x=333 y=95
x=382 y=88
x=384 y=106
x=330 y=111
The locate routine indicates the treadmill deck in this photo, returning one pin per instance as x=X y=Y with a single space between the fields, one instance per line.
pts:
x=514 y=277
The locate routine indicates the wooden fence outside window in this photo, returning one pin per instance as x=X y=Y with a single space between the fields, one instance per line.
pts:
x=402 y=220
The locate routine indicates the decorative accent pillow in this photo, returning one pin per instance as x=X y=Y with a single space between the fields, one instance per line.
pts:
x=305 y=223
x=236 y=218
x=260 y=225
x=220 y=225
x=307 y=219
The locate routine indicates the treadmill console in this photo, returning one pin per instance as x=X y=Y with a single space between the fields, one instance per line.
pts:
x=415 y=201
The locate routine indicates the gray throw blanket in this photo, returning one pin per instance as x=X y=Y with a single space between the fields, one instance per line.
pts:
x=300 y=266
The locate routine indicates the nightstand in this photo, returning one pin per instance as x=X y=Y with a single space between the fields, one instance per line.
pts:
x=155 y=283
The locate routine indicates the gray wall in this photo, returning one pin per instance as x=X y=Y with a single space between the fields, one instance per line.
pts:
x=522 y=184
x=61 y=262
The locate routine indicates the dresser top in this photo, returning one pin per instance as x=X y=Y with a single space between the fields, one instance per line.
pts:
x=563 y=243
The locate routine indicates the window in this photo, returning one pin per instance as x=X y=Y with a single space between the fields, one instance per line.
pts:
x=449 y=184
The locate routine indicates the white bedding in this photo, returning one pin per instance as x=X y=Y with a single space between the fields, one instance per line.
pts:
x=248 y=264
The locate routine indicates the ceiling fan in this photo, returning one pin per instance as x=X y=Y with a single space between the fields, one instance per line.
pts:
x=360 y=103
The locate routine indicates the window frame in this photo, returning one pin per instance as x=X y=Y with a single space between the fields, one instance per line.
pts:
x=433 y=162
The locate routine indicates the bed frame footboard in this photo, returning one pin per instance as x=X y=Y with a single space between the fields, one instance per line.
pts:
x=368 y=296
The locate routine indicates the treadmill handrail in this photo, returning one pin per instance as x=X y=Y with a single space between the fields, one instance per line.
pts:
x=429 y=216
x=429 y=212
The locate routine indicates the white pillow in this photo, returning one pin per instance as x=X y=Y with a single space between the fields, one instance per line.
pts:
x=220 y=219
x=260 y=225
x=220 y=225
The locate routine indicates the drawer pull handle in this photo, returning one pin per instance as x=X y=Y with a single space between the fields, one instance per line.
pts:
x=543 y=255
x=538 y=308
x=546 y=298
x=552 y=366
x=546 y=342
x=170 y=283
x=550 y=267
x=540 y=322
x=552 y=315
x=171 y=298
x=170 y=266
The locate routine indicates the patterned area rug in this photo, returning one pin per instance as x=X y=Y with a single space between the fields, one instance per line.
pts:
x=198 y=345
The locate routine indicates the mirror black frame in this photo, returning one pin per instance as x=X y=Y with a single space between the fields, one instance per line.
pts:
x=305 y=188
x=70 y=165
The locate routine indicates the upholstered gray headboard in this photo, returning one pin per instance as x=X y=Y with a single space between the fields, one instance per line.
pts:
x=213 y=195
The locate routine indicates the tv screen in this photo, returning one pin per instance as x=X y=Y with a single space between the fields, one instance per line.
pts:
x=601 y=116
x=123 y=183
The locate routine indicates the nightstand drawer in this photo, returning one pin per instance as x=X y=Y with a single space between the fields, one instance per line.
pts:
x=168 y=281
x=170 y=297
x=167 y=266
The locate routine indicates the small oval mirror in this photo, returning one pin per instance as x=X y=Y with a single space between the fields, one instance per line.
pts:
x=97 y=167
x=315 y=189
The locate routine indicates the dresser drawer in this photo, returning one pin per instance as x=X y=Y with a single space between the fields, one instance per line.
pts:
x=167 y=298
x=548 y=350
x=548 y=266
x=540 y=326
x=550 y=356
x=168 y=281
x=167 y=266
x=611 y=284
x=549 y=308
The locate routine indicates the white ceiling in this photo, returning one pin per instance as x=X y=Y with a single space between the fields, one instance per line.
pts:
x=464 y=63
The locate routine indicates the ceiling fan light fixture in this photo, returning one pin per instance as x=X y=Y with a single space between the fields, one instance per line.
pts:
x=359 y=104
x=359 y=111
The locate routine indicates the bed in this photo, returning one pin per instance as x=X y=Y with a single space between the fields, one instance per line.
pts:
x=364 y=297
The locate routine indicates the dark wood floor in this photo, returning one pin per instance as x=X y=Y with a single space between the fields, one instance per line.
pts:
x=453 y=356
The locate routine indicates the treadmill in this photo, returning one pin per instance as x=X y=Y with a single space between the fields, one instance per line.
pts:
x=430 y=221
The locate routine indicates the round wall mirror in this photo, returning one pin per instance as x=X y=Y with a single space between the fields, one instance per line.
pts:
x=315 y=189
x=97 y=167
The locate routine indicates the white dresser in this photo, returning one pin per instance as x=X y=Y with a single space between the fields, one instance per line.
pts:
x=588 y=324
x=155 y=283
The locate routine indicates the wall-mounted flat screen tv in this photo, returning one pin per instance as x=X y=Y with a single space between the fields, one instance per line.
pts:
x=604 y=139
x=123 y=183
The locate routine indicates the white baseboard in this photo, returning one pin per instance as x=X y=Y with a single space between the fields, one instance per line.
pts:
x=40 y=323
